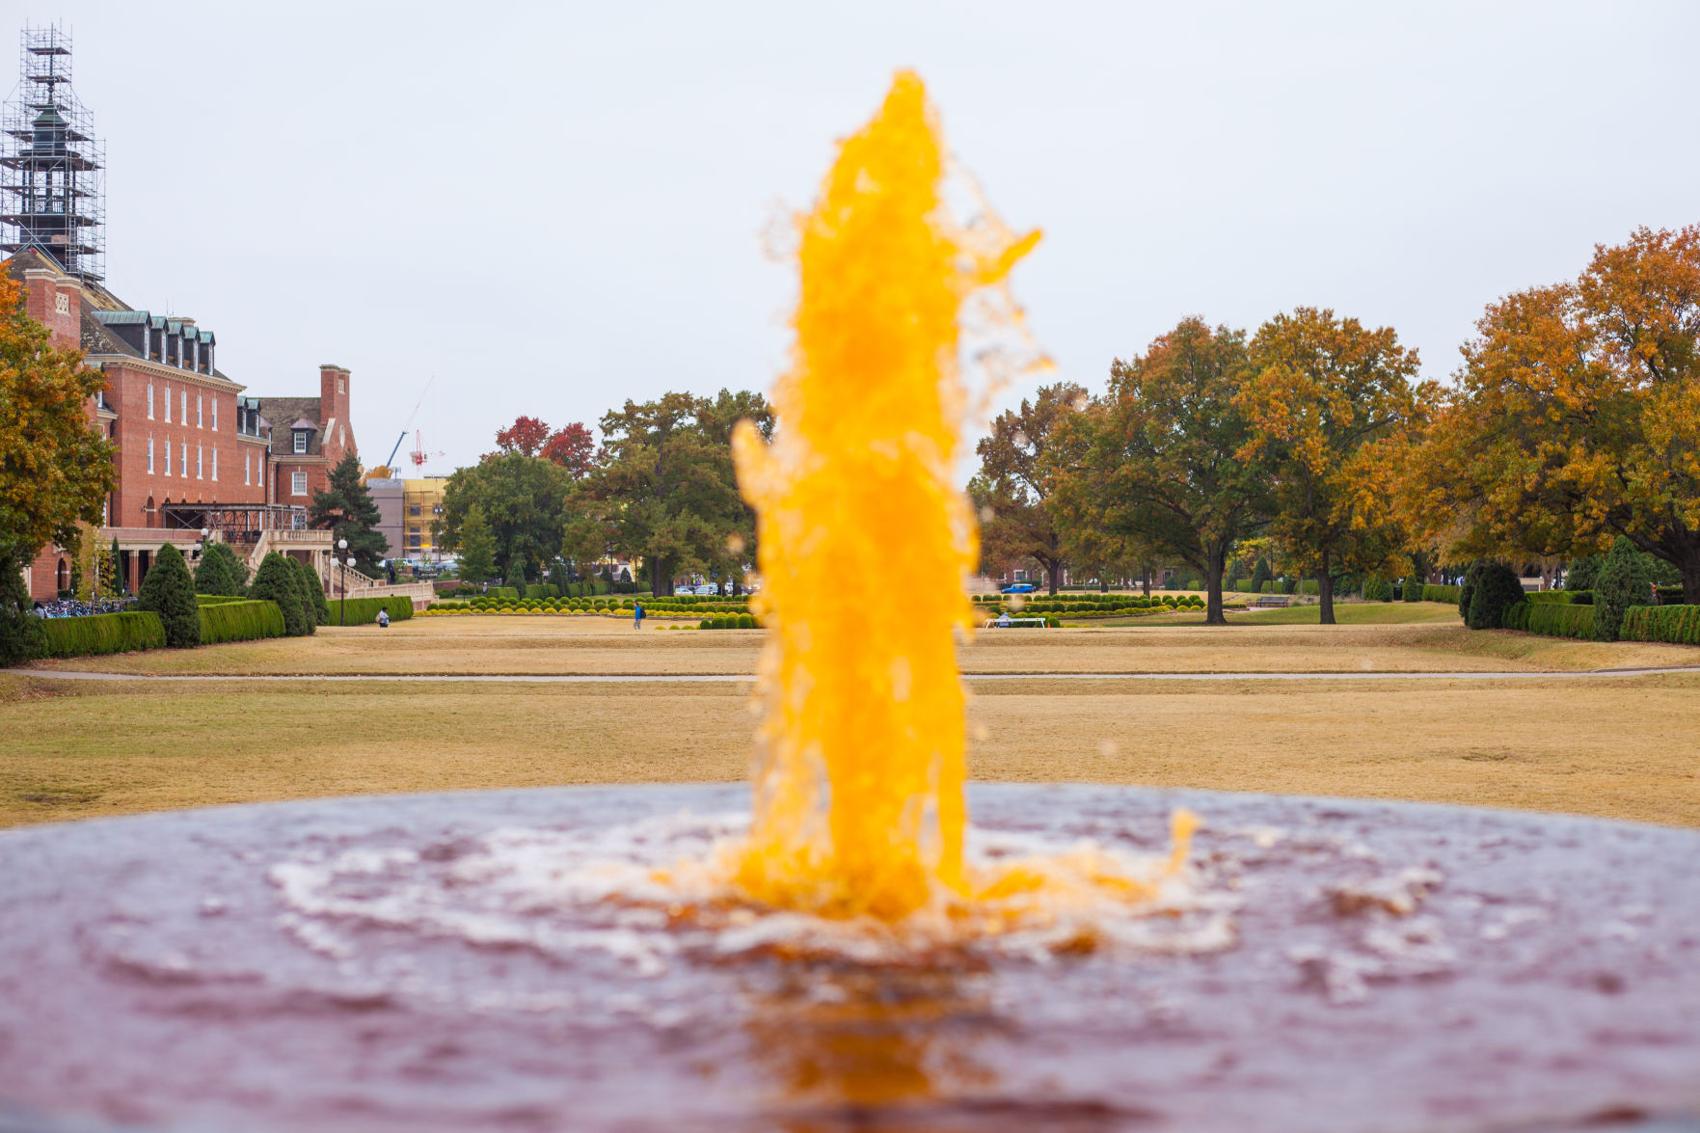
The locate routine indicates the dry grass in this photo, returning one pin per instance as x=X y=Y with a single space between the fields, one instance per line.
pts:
x=539 y=644
x=1617 y=748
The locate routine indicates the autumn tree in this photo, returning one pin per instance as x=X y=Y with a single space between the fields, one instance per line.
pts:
x=1577 y=415
x=573 y=447
x=1015 y=481
x=526 y=436
x=665 y=489
x=55 y=469
x=524 y=501
x=346 y=507
x=1161 y=452
x=1322 y=396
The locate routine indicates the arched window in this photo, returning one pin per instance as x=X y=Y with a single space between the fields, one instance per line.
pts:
x=63 y=576
x=148 y=513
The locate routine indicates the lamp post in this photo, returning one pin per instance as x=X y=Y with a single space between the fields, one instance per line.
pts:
x=342 y=577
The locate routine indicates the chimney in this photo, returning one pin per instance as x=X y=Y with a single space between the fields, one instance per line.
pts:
x=333 y=393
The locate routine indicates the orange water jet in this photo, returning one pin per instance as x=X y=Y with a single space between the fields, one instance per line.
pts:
x=859 y=804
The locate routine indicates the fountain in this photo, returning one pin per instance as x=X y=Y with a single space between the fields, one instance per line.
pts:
x=839 y=947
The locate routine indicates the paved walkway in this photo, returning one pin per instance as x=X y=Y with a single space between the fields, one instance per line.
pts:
x=735 y=678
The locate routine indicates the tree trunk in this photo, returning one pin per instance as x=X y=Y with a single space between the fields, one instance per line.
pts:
x=1145 y=581
x=1325 y=589
x=660 y=577
x=1103 y=582
x=1053 y=572
x=1217 y=563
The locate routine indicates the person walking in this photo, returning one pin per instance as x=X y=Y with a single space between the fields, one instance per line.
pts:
x=637 y=615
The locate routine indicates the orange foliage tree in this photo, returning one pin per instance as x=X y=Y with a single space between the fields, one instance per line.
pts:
x=1577 y=415
x=1326 y=396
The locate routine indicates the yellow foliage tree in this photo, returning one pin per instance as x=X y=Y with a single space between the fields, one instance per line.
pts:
x=1577 y=415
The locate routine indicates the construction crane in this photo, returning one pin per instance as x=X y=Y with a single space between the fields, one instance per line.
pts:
x=419 y=455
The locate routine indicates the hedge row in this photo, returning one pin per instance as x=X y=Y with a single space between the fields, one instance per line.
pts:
x=1678 y=625
x=240 y=619
x=729 y=621
x=698 y=606
x=1310 y=586
x=364 y=611
x=1440 y=593
x=101 y=633
x=1554 y=619
x=220 y=599
x=1562 y=597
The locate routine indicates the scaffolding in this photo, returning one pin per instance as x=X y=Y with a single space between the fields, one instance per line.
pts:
x=52 y=168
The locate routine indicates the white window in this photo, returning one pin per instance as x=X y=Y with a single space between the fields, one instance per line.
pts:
x=298 y=483
x=247 y=468
x=200 y=411
x=183 y=405
x=215 y=462
x=215 y=414
x=168 y=456
x=183 y=460
x=301 y=440
x=150 y=454
x=168 y=403
x=340 y=388
x=150 y=401
x=200 y=463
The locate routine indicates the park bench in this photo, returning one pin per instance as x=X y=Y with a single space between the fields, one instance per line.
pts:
x=997 y=623
x=1269 y=601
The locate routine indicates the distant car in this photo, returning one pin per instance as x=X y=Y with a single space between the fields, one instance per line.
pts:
x=684 y=591
x=1019 y=588
x=708 y=589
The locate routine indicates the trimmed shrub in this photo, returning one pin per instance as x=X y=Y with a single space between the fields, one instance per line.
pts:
x=220 y=571
x=1670 y=595
x=1553 y=619
x=1493 y=588
x=169 y=592
x=542 y=590
x=501 y=592
x=1442 y=592
x=242 y=619
x=1377 y=589
x=275 y=581
x=1412 y=590
x=20 y=629
x=100 y=633
x=313 y=590
x=1677 y=625
x=1310 y=586
x=364 y=611
x=1242 y=585
x=306 y=585
x=1623 y=582
x=1550 y=598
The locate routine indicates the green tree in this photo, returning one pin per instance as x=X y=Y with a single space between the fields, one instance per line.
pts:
x=665 y=489
x=1323 y=394
x=524 y=501
x=1490 y=589
x=219 y=571
x=312 y=593
x=20 y=630
x=275 y=581
x=112 y=571
x=347 y=508
x=1162 y=451
x=477 y=546
x=55 y=470
x=1623 y=582
x=1016 y=482
x=169 y=592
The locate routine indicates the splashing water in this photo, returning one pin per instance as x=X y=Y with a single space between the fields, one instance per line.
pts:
x=864 y=545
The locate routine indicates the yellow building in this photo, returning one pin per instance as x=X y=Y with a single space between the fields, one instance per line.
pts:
x=421 y=506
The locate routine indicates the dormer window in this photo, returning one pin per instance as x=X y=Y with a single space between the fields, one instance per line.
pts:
x=300 y=440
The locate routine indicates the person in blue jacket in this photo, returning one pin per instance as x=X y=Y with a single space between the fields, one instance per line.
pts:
x=637 y=615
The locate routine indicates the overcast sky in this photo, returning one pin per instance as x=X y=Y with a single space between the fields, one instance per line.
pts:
x=551 y=208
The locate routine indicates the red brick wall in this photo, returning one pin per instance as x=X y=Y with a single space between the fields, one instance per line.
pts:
x=335 y=391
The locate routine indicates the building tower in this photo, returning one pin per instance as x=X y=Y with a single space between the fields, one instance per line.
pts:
x=52 y=192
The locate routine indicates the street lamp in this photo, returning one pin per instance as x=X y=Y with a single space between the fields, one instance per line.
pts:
x=342 y=590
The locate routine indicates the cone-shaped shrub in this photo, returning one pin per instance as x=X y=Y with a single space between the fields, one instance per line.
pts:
x=169 y=592
x=219 y=571
x=1495 y=590
x=1623 y=582
x=276 y=581
x=314 y=589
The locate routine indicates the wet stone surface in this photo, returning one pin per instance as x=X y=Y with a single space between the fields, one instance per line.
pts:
x=495 y=961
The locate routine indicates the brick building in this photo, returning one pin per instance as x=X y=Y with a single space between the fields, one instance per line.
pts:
x=193 y=453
